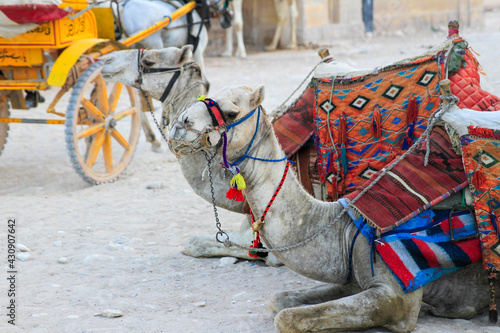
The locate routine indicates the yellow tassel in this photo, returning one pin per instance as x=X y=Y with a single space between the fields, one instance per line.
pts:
x=201 y=98
x=238 y=182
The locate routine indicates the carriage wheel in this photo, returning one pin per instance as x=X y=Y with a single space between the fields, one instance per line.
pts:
x=4 y=113
x=102 y=126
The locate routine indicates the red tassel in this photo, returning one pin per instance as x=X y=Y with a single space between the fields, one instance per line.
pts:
x=234 y=194
x=412 y=111
x=377 y=123
x=478 y=179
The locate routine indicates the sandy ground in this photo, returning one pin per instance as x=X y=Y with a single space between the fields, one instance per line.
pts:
x=123 y=242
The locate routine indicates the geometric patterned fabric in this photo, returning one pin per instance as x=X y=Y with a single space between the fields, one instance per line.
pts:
x=367 y=116
x=374 y=112
x=481 y=156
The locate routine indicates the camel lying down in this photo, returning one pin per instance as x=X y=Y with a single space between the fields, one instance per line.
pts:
x=367 y=300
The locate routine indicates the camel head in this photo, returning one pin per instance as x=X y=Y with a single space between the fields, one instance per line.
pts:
x=201 y=128
x=130 y=67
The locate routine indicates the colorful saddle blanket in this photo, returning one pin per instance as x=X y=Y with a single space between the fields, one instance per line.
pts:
x=420 y=251
x=481 y=155
x=364 y=122
x=409 y=187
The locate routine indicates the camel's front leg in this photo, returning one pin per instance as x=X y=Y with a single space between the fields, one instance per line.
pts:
x=207 y=246
x=377 y=306
x=280 y=13
x=321 y=294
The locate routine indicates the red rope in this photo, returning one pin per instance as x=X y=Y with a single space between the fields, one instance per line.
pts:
x=257 y=234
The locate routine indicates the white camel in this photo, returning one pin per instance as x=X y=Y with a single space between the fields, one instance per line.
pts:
x=368 y=300
x=176 y=34
x=123 y=67
x=237 y=7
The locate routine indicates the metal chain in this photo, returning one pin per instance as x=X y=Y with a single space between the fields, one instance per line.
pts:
x=433 y=119
x=217 y=222
x=153 y=115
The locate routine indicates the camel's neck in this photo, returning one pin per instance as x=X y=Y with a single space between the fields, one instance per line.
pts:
x=295 y=215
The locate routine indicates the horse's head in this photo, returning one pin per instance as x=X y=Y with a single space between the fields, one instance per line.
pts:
x=233 y=111
x=151 y=70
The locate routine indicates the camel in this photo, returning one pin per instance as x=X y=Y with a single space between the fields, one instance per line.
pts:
x=122 y=66
x=238 y=28
x=367 y=300
x=176 y=34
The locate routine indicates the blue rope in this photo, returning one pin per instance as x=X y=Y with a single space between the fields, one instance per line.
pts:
x=239 y=160
x=268 y=160
x=243 y=119
x=350 y=257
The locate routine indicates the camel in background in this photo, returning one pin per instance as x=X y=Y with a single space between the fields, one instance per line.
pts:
x=237 y=8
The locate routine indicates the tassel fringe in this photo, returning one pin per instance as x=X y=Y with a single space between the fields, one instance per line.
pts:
x=234 y=194
x=493 y=314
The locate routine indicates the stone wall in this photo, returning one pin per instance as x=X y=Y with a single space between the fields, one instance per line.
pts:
x=323 y=21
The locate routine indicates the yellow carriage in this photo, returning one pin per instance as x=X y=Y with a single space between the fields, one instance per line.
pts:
x=102 y=120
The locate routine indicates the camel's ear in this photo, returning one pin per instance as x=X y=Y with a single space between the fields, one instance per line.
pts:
x=257 y=97
x=185 y=54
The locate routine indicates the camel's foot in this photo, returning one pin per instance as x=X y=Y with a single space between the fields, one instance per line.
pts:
x=206 y=246
x=270 y=48
x=157 y=147
x=291 y=46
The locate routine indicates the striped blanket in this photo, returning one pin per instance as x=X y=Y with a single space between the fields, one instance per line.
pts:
x=410 y=187
x=420 y=251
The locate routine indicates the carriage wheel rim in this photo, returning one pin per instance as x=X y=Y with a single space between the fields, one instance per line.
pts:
x=103 y=129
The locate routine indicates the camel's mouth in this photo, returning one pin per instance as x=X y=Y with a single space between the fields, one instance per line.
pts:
x=106 y=74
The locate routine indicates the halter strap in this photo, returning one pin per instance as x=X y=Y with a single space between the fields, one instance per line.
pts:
x=215 y=112
x=142 y=70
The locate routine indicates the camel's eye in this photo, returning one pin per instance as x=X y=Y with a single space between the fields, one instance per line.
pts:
x=232 y=115
x=148 y=63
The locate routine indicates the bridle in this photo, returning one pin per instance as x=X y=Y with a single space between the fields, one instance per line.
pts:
x=177 y=73
x=181 y=146
x=168 y=89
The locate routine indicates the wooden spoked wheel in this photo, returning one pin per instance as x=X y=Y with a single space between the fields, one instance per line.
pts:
x=4 y=113
x=102 y=126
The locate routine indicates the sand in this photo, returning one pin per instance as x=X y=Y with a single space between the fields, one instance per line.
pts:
x=122 y=243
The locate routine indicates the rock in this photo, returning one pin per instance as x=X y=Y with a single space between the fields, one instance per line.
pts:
x=110 y=313
x=97 y=257
x=226 y=261
x=150 y=243
x=128 y=249
x=155 y=185
x=200 y=304
x=23 y=256
x=122 y=240
x=22 y=248
x=58 y=243
x=72 y=317
x=249 y=311
x=62 y=260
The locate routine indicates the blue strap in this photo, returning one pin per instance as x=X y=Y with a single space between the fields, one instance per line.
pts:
x=239 y=160
x=243 y=119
